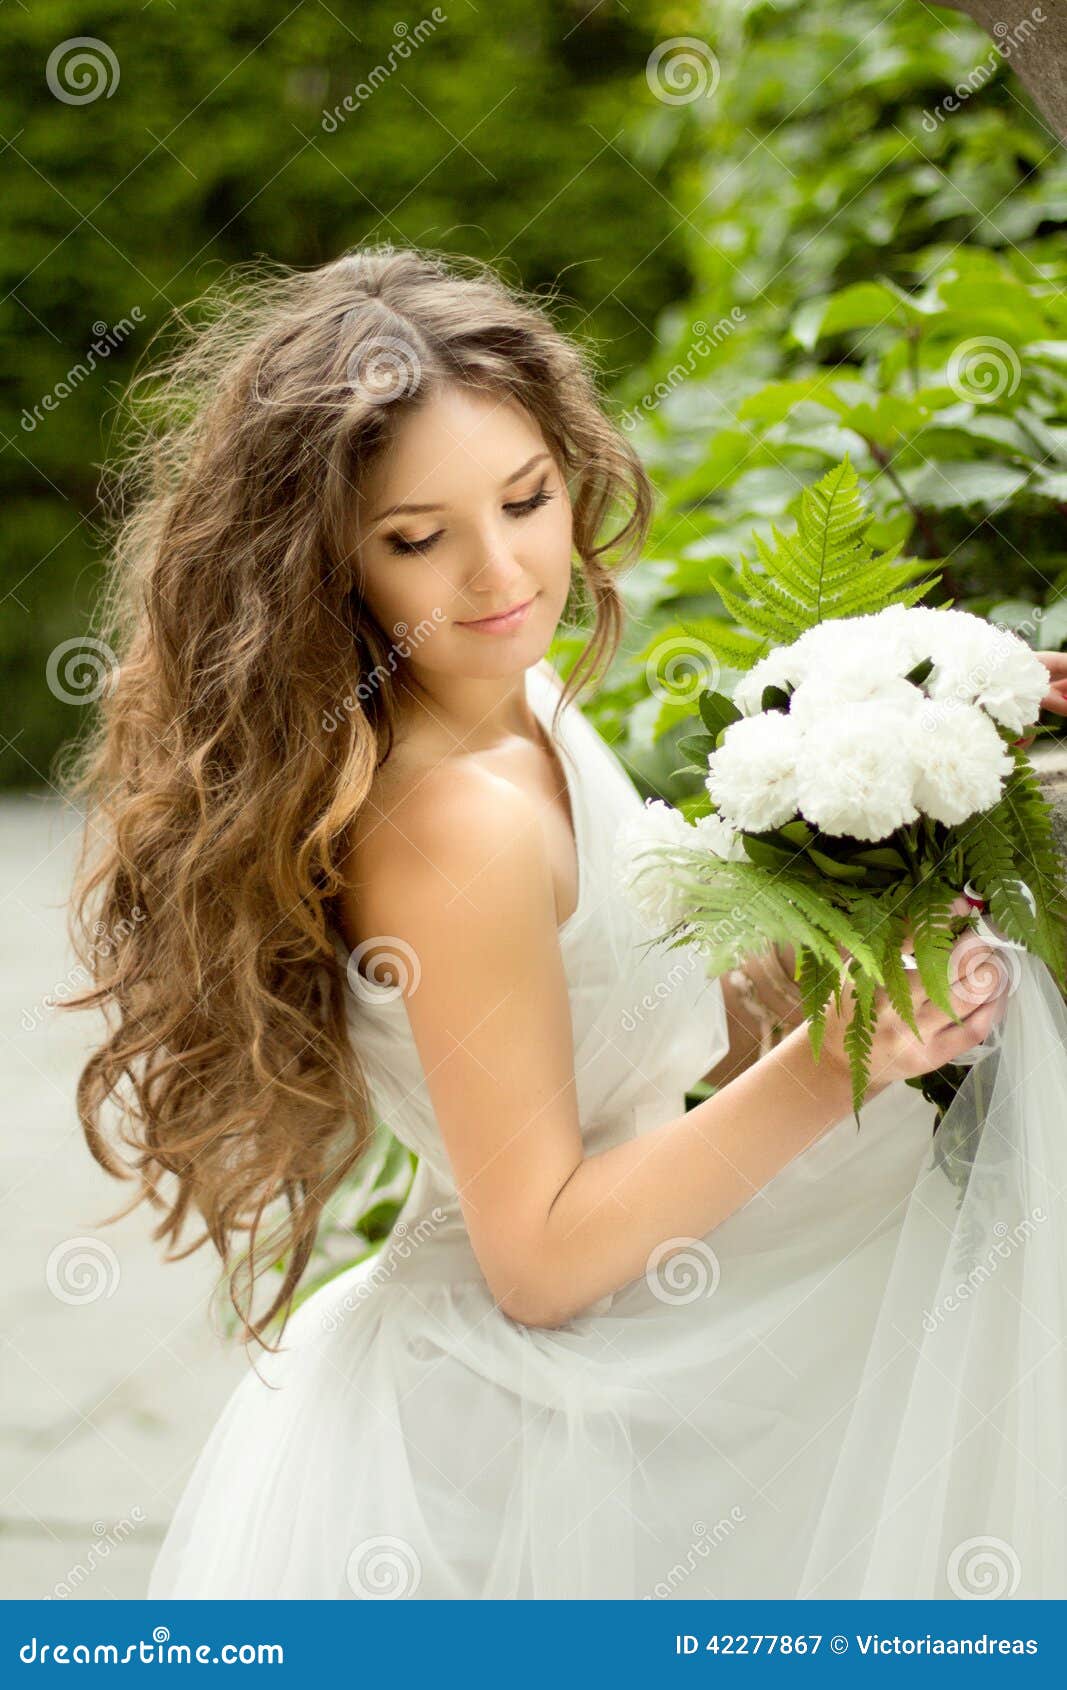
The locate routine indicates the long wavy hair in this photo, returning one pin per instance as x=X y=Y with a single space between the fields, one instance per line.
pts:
x=221 y=780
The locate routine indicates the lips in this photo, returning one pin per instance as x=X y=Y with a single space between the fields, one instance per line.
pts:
x=513 y=612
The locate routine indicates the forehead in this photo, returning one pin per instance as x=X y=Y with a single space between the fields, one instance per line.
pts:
x=458 y=435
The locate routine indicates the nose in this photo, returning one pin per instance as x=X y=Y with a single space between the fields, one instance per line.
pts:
x=494 y=568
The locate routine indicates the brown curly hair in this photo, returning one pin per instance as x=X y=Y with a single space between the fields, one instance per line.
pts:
x=221 y=781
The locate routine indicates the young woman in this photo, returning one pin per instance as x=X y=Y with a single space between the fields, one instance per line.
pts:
x=359 y=846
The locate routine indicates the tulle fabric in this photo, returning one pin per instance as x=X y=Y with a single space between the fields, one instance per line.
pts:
x=760 y=1414
x=952 y=1477
x=417 y=1443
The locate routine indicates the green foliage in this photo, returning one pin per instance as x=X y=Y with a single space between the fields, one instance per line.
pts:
x=226 y=139
x=1016 y=839
x=828 y=568
x=867 y=239
x=847 y=906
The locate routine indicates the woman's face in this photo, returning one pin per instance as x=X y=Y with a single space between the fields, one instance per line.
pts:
x=465 y=516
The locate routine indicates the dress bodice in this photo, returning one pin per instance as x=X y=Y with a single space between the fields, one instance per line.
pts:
x=647 y=1022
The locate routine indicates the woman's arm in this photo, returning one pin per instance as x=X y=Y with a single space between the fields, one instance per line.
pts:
x=774 y=987
x=460 y=876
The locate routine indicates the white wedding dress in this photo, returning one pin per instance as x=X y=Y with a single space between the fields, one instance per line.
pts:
x=787 y=1408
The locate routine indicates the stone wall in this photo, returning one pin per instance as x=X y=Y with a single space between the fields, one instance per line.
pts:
x=1050 y=766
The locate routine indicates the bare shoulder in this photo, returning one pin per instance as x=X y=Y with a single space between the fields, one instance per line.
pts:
x=452 y=845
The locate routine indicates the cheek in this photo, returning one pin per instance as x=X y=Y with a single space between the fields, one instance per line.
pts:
x=403 y=591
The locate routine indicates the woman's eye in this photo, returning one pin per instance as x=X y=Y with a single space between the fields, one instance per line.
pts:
x=404 y=548
x=541 y=497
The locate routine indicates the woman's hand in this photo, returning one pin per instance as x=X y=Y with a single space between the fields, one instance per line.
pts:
x=1055 y=699
x=978 y=991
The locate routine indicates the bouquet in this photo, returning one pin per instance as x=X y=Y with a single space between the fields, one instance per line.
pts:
x=864 y=775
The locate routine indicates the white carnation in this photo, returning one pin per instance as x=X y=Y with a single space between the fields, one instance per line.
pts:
x=856 y=772
x=962 y=762
x=978 y=663
x=648 y=878
x=782 y=667
x=886 y=638
x=752 y=775
x=721 y=839
x=861 y=676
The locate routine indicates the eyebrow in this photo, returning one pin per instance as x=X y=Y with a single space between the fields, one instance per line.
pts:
x=516 y=475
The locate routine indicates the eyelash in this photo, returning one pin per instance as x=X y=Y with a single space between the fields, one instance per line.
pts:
x=404 y=548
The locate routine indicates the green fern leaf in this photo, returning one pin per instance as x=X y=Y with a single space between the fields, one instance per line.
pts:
x=827 y=569
x=927 y=910
x=818 y=980
x=1016 y=839
x=859 y=1034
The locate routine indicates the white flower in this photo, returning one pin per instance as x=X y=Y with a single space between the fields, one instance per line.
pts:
x=860 y=676
x=782 y=667
x=884 y=646
x=721 y=839
x=962 y=763
x=856 y=771
x=978 y=663
x=648 y=878
x=752 y=775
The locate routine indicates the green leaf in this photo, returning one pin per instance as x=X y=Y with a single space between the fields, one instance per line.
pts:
x=864 y=305
x=965 y=485
x=774 y=698
x=697 y=747
x=882 y=856
x=826 y=569
x=836 y=870
x=928 y=912
x=765 y=854
x=717 y=712
x=797 y=832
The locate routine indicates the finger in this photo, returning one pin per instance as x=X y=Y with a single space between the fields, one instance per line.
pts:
x=960 y=905
x=951 y=1043
x=977 y=971
x=977 y=1027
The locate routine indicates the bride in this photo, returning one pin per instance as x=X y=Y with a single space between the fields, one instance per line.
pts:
x=612 y=1347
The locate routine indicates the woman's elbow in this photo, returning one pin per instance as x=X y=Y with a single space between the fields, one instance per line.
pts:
x=532 y=1311
x=528 y=1302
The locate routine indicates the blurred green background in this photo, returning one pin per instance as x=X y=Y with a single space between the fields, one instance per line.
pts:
x=779 y=240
